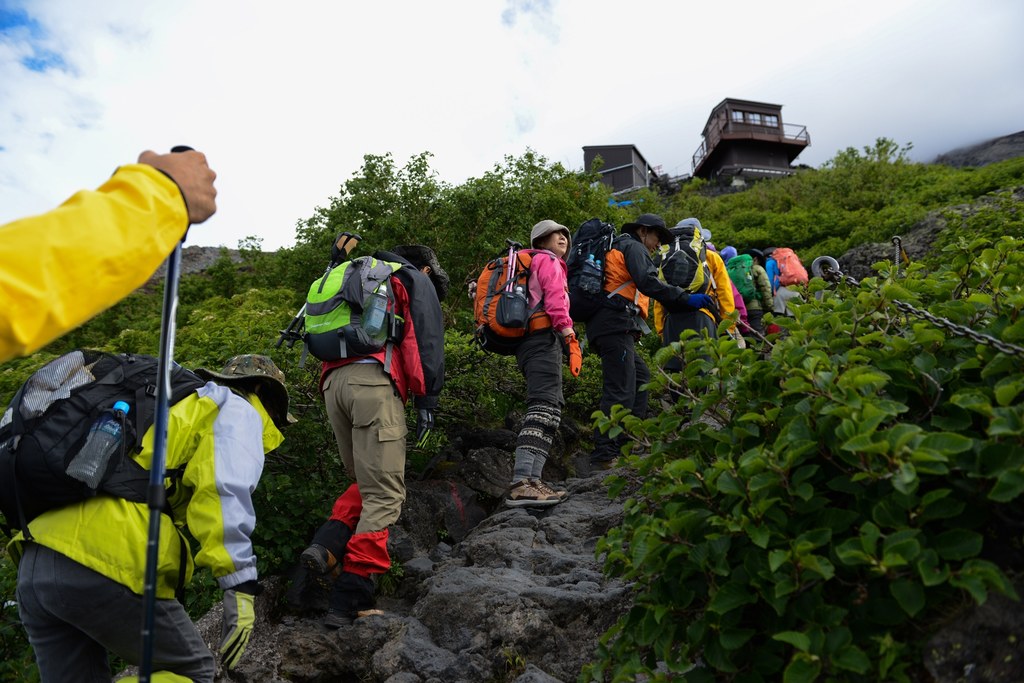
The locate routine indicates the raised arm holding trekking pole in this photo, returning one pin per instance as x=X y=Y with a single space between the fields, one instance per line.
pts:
x=84 y=592
x=61 y=268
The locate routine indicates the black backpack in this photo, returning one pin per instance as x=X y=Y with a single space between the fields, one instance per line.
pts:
x=48 y=421
x=586 y=262
x=683 y=262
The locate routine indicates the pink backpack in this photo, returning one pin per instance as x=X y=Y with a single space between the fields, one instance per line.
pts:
x=791 y=271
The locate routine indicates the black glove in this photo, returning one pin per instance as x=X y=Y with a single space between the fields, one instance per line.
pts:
x=424 y=423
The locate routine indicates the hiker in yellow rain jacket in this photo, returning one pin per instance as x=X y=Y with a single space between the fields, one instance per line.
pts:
x=80 y=577
x=61 y=268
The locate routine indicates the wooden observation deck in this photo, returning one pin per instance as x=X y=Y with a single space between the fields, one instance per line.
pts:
x=748 y=139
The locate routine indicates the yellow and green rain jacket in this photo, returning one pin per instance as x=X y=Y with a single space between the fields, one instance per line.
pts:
x=218 y=440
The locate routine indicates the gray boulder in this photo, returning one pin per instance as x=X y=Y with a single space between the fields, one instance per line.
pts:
x=519 y=596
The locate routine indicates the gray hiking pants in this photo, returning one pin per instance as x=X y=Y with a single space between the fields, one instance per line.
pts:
x=539 y=358
x=74 y=616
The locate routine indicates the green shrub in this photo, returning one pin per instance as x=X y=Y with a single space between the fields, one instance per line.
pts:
x=832 y=494
x=17 y=661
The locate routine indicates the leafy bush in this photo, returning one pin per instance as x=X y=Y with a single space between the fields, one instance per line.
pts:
x=857 y=197
x=831 y=494
x=17 y=662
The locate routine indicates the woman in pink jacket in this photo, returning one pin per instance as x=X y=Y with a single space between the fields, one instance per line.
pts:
x=539 y=357
x=727 y=254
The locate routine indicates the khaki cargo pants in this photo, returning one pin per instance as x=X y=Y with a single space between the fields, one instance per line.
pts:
x=368 y=418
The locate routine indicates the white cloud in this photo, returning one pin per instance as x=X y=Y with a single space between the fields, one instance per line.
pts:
x=286 y=99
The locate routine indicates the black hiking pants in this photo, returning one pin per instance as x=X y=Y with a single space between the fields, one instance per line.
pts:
x=624 y=372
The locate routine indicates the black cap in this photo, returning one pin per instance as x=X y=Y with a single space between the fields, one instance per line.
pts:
x=650 y=220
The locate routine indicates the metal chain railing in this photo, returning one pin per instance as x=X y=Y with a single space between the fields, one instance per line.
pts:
x=827 y=268
x=960 y=330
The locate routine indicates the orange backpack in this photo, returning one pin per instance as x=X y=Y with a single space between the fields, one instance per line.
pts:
x=500 y=307
x=791 y=271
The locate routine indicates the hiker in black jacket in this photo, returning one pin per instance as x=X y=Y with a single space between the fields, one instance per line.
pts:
x=365 y=398
x=614 y=330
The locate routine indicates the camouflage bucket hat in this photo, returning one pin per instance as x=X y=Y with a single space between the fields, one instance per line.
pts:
x=249 y=371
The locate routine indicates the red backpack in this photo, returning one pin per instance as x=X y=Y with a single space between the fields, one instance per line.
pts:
x=791 y=271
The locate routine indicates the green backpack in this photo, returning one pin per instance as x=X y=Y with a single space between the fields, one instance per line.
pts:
x=350 y=311
x=741 y=272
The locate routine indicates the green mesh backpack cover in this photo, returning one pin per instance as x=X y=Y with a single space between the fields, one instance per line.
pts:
x=334 y=309
x=741 y=272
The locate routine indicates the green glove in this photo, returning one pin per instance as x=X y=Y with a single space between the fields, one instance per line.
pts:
x=239 y=618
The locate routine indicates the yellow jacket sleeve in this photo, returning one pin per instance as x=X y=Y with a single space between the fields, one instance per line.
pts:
x=61 y=268
x=659 y=318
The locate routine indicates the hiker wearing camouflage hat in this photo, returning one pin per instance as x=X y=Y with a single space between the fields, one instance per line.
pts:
x=258 y=375
x=80 y=582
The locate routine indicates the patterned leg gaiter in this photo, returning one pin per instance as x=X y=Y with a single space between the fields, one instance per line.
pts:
x=538 y=431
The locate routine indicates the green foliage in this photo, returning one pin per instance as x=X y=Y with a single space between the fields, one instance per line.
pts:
x=514 y=661
x=855 y=198
x=17 y=662
x=474 y=219
x=389 y=581
x=831 y=492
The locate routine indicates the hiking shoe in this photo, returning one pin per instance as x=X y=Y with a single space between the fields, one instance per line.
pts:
x=525 y=494
x=321 y=563
x=317 y=558
x=547 y=488
x=336 y=619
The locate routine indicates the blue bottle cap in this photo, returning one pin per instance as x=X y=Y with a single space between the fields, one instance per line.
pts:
x=122 y=406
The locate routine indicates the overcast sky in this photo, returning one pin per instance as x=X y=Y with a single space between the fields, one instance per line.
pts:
x=286 y=98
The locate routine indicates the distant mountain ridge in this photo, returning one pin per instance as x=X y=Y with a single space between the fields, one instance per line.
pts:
x=194 y=259
x=989 y=152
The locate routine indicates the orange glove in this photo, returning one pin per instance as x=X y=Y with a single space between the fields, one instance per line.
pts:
x=575 y=354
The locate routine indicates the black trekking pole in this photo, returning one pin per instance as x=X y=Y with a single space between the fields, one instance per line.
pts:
x=157 y=494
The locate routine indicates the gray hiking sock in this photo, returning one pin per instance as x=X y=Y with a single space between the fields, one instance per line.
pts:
x=538 y=466
x=523 y=469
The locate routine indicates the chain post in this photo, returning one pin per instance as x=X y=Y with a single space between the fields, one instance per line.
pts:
x=897 y=258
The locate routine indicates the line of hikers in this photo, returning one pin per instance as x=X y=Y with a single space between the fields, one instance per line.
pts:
x=376 y=324
x=608 y=282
